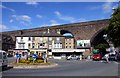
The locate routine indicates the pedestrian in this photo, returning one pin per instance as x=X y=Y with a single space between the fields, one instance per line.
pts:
x=107 y=57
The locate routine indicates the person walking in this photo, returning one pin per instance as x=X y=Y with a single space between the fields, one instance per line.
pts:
x=107 y=57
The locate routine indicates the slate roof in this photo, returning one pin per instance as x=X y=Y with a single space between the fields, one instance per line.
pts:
x=35 y=34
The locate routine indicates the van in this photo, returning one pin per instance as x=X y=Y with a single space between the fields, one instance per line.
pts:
x=3 y=59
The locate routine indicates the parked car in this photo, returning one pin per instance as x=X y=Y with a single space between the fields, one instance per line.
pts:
x=3 y=59
x=73 y=57
x=97 y=57
x=9 y=55
x=112 y=57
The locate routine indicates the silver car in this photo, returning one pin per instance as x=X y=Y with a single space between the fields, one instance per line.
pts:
x=73 y=57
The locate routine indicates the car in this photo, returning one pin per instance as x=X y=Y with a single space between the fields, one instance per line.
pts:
x=3 y=59
x=9 y=55
x=73 y=57
x=112 y=57
x=97 y=57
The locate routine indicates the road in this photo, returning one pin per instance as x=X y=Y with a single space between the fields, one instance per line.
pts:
x=69 y=68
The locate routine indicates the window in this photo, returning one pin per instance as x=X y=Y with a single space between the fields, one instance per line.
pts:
x=29 y=39
x=28 y=45
x=41 y=39
x=33 y=45
x=50 y=39
x=66 y=46
x=58 y=39
x=21 y=46
x=21 y=38
x=69 y=46
x=67 y=39
x=33 y=38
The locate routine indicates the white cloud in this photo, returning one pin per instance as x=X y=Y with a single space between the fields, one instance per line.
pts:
x=57 y=13
x=51 y=23
x=3 y=27
x=68 y=18
x=10 y=9
x=39 y=16
x=107 y=7
x=33 y=2
x=11 y=20
x=15 y=27
x=23 y=19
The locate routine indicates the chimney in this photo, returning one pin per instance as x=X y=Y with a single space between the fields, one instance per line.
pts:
x=58 y=31
x=48 y=30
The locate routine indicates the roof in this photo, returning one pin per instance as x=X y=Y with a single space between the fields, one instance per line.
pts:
x=35 y=34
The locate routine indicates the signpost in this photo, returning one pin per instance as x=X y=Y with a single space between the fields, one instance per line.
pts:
x=95 y=51
x=44 y=57
x=34 y=57
x=17 y=57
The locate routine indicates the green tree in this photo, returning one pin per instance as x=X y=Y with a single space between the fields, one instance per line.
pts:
x=102 y=48
x=113 y=30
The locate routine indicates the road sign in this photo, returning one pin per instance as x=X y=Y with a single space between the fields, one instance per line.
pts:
x=17 y=55
x=34 y=56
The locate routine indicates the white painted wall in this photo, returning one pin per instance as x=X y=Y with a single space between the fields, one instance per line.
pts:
x=25 y=40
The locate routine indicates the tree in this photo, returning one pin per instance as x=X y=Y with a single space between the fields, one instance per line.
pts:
x=113 y=30
x=102 y=48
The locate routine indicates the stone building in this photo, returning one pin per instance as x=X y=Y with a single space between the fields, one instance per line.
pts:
x=69 y=42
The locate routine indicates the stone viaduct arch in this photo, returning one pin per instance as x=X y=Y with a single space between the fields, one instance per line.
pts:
x=81 y=31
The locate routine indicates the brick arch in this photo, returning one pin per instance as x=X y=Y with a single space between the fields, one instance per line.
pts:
x=97 y=37
x=66 y=31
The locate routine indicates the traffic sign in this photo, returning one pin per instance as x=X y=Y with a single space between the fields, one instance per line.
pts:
x=34 y=56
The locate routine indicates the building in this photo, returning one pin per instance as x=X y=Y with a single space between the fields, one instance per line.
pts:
x=6 y=42
x=69 y=42
x=39 y=42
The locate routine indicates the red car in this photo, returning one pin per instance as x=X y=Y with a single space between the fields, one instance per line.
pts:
x=97 y=57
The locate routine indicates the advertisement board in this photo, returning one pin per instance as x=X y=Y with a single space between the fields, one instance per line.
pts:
x=83 y=43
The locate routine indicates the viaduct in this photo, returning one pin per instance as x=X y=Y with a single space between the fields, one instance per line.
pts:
x=91 y=30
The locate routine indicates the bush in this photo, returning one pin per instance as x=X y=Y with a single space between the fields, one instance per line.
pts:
x=39 y=61
x=25 y=61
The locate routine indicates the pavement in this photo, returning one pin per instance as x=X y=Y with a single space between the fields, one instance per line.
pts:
x=68 y=68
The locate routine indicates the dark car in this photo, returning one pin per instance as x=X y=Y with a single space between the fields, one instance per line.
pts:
x=112 y=57
x=97 y=57
x=9 y=55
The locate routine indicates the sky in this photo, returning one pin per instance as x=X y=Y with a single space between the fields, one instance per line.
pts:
x=26 y=15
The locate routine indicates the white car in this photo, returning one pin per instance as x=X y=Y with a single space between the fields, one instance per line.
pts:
x=73 y=57
x=3 y=59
